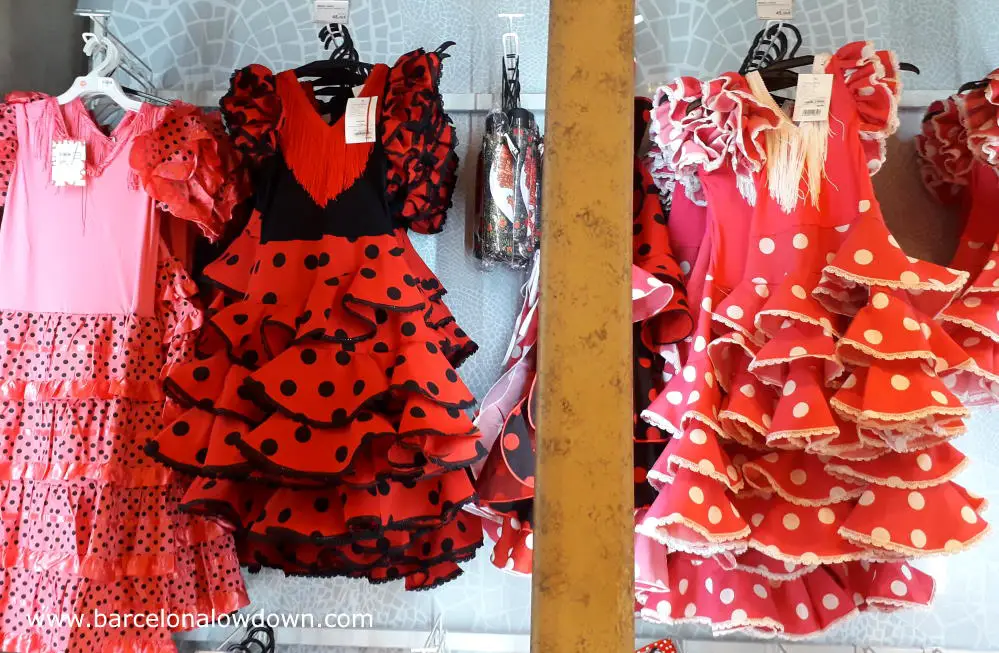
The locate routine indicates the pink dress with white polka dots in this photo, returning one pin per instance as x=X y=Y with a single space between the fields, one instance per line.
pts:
x=810 y=420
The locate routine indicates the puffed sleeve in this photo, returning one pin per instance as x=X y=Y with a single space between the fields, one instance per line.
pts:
x=252 y=111
x=980 y=117
x=873 y=79
x=944 y=157
x=419 y=142
x=8 y=137
x=727 y=128
x=189 y=168
x=8 y=148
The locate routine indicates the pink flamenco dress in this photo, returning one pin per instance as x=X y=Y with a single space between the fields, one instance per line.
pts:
x=505 y=478
x=959 y=157
x=811 y=418
x=94 y=312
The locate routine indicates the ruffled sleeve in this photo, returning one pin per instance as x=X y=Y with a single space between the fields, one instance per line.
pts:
x=727 y=128
x=188 y=167
x=419 y=142
x=736 y=124
x=944 y=157
x=8 y=149
x=8 y=137
x=980 y=117
x=873 y=79
x=252 y=111
x=672 y=112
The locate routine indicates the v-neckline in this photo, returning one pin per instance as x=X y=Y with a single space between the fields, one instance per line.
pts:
x=107 y=146
x=317 y=152
x=368 y=89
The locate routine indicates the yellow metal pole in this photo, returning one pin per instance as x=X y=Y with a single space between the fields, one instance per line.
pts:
x=583 y=571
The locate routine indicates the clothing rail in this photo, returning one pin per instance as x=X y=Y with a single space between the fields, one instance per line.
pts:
x=484 y=102
x=507 y=643
x=453 y=102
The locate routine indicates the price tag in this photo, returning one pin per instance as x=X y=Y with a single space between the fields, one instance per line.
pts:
x=811 y=102
x=69 y=163
x=359 y=120
x=774 y=9
x=330 y=11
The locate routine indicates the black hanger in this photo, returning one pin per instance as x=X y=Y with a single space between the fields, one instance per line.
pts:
x=774 y=43
x=971 y=86
x=964 y=88
x=258 y=639
x=772 y=55
x=344 y=67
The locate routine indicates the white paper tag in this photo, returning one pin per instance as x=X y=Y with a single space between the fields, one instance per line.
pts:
x=811 y=102
x=774 y=9
x=69 y=163
x=330 y=11
x=359 y=120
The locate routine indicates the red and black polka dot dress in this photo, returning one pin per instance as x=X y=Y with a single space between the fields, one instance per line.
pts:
x=325 y=417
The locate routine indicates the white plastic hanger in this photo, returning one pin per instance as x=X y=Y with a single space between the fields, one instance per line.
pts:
x=436 y=640
x=97 y=81
x=511 y=44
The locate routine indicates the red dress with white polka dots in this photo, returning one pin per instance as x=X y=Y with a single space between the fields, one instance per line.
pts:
x=811 y=417
x=959 y=153
x=325 y=420
x=91 y=524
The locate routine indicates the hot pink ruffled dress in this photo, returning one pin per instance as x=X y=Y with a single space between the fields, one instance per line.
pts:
x=94 y=309
x=811 y=417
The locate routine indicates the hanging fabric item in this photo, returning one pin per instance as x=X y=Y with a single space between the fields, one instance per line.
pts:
x=508 y=189
x=505 y=479
x=95 y=311
x=325 y=419
x=507 y=223
x=810 y=420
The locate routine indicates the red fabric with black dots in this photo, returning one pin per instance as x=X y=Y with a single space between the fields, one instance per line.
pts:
x=324 y=414
x=811 y=414
x=8 y=138
x=505 y=480
x=420 y=144
x=188 y=166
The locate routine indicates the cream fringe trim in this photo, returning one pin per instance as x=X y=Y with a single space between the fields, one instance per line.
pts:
x=792 y=151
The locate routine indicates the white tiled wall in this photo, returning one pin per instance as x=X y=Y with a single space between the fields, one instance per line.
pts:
x=195 y=44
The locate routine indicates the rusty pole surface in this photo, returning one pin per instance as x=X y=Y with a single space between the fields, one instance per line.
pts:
x=583 y=548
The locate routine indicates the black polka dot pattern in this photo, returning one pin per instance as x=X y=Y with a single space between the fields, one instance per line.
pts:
x=351 y=406
x=77 y=485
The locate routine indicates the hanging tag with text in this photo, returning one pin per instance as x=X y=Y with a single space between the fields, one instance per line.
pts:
x=359 y=120
x=811 y=103
x=774 y=9
x=69 y=163
x=330 y=11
